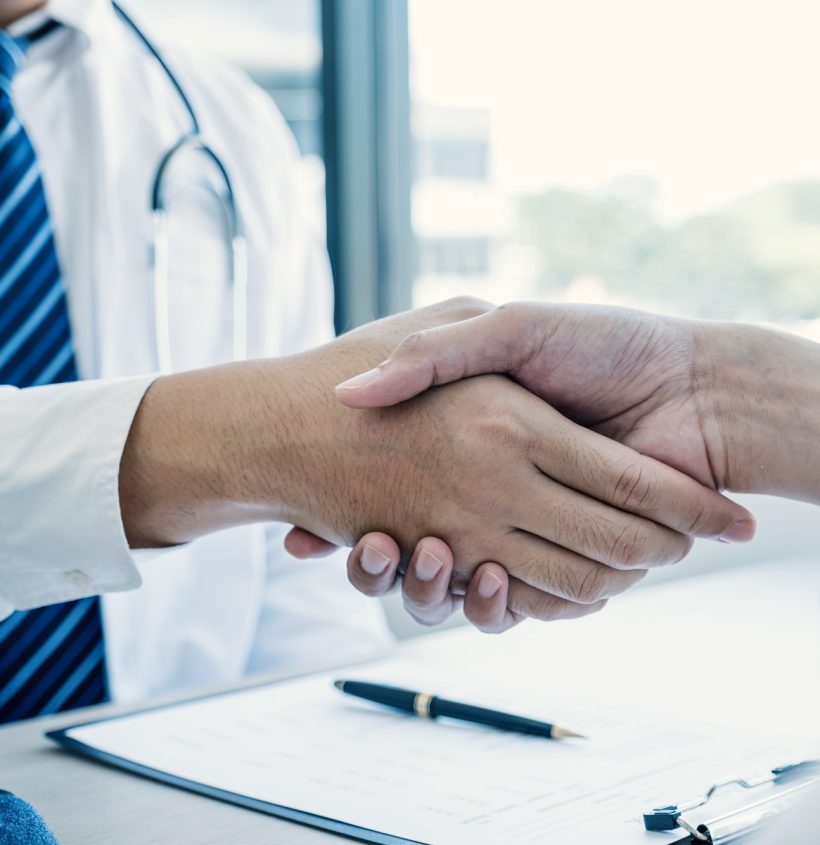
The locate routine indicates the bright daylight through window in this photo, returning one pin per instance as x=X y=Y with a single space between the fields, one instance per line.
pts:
x=656 y=155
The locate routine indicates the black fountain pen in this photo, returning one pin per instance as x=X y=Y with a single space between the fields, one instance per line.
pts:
x=432 y=707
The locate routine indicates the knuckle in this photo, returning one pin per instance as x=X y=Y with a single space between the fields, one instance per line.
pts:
x=513 y=311
x=589 y=609
x=418 y=611
x=630 y=546
x=503 y=428
x=368 y=585
x=368 y=588
x=550 y=608
x=483 y=618
x=427 y=613
x=525 y=602
x=420 y=603
x=593 y=586
x=697 y=519
x=412 y=345
x=464 y=307
x=701 y=522
x=479 y=618
x=636 y=489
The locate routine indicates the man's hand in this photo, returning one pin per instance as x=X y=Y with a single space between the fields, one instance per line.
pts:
x=255 y=441
x=496 y=473
x=373 y=569
x=736 y=407
x=650 y=382
x=630 y=376
x=483 y=465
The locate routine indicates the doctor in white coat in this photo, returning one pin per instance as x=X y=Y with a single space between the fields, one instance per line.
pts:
x=100 y=113
x=119 y=460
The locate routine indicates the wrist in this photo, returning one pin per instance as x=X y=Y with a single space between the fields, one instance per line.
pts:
x=184 y=471
x=252 y=442
x=327 y=466
x=759 y=401
x=339 y=460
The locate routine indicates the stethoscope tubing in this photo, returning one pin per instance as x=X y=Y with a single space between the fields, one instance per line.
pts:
x=191 y=141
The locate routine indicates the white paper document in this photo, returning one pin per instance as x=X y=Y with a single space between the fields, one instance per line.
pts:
x=303 y=744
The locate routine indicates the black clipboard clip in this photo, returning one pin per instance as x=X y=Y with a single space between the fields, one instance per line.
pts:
x=747 y=819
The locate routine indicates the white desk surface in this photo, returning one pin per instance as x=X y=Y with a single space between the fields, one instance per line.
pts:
x=740 y=647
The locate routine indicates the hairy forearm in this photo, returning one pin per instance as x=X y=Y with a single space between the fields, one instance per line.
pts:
x=261 y=441
x=761 y=405
x=189 y=463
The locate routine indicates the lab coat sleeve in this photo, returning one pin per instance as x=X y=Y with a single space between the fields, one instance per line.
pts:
x=61 y=532
x=310 y=312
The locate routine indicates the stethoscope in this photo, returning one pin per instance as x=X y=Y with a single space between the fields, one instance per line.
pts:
x=191 y=141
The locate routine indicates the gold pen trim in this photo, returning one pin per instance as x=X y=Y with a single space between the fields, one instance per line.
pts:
x=421 y=705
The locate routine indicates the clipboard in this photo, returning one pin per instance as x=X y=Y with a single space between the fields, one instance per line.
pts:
x=62 y=738
x=740 y=822
x=298 y=751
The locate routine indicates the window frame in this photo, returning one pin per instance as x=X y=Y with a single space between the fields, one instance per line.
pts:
x=368 y=157
x=369 y=161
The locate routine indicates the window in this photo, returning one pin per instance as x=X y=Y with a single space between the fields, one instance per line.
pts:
x=458 y=256
x=661 y=156
x=451 y=143
x=653 y=155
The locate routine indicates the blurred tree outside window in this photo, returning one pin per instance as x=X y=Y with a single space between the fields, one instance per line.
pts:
x=661 y=156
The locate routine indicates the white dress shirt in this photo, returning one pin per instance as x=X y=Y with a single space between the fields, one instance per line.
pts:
x=100 y=113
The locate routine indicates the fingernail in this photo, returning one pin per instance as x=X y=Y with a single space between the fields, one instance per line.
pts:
x=373 y=561
x=427 y=566
x=360 y=380
x=740 y=532
x=488 y=584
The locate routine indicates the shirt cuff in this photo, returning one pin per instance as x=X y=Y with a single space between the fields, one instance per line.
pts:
x=60 y=521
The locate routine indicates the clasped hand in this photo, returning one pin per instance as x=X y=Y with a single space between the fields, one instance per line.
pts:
x=506 y=504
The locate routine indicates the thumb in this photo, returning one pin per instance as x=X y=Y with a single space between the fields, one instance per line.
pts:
x=484 y=344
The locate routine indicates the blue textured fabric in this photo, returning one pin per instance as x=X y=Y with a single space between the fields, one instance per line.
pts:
x=21 y=824
x=51 y=659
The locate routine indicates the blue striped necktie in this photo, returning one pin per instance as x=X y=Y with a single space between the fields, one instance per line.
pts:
x=52 y=658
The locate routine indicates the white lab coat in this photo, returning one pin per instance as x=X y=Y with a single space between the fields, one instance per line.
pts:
x=100 y=112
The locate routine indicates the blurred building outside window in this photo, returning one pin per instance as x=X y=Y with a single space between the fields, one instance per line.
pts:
x=654 y=155
x=659 y=156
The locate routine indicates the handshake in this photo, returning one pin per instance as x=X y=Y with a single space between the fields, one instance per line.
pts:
x=547 y=488
x=524 y=461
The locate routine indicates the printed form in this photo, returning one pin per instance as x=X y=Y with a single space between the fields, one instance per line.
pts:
x=302 y=744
